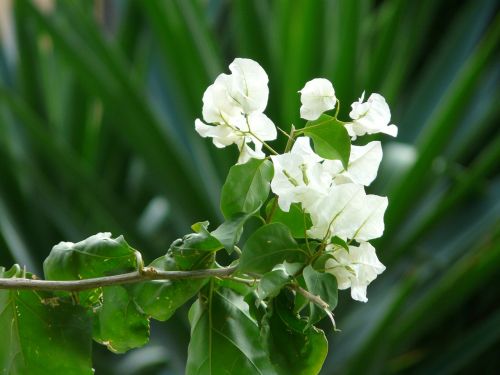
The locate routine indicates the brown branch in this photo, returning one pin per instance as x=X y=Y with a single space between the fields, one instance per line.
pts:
x=146 y=274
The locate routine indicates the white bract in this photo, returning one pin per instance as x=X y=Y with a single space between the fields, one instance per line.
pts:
x=317 y=96
x=348 y=213
x=370 y=117
x=248 y=86
x=298 y=175
x=234 y=104
x=355 y=268
x=362 y=167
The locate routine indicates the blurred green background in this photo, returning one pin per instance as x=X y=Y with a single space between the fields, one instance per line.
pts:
x=97 y=105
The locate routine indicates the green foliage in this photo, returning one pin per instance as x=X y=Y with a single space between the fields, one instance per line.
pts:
x=246 y=187
x=160 y=299
x=295 y=219
x=229 y=232
x=120 y=323
x=323 y=285
x=269 y=245
x=330 y=138
x=295 y=347
x=224 y=337
x=194 y=249
x=41 y=333
x=99 y=255
x=272 y=282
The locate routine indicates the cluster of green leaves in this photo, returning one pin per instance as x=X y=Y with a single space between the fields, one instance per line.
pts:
x=96 y=131
x=254 y=319
x=51 y=332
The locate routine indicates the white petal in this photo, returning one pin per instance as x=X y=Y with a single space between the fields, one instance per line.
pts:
x=218 y=106
x=363 y=165
x=317 y=96
x=327 y=212
x=364 y=162
x=391 y=130
x=249 y=85
x=262 y=126
x=363 y=219
x=302 y=147
x=298 y=175
x=221 y=135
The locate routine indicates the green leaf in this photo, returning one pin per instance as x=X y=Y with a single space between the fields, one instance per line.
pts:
x=194 y=247
x=295 y=219
x=161 y=298
x=272 y=282
x=119 y=324
x=268 y=246
x=225 y=339
x=229 y=232
x=294 y=348
x=339 y=242
x=246 y=187
x=42 y=334
x=320 y=284
x=330 y=137
x=98 y=255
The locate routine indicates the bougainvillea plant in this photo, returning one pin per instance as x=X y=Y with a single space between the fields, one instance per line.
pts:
x=297 y=229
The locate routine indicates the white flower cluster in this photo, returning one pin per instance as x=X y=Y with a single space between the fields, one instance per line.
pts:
x=336 y=200
x=334 y=197
x=234 y=104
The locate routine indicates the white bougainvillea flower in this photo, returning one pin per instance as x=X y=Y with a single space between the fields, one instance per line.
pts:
x=348 y=213
x=233 y=104
x=370 y=117
x=218 y=106
x=355 y=268
x=317 y=97
x=248 y=85
x=255 y=128
x=298 y=175
x=362 y=167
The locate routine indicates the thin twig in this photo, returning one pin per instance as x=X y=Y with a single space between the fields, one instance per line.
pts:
x=317 y=301
x=311 y=297
x=146 y=274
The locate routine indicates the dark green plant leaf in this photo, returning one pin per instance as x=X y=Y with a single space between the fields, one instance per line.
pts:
x=320 y=284
x=42 y=334
x=225 y=339
x=268 y=246
x=119 y=324
x=295 y=219
x=98 y=255
x=161 y=298
x=229 y=232
x=295 y=348
x=330 y=137
x=272 y=282
x=246 y=187
x=194 y=247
